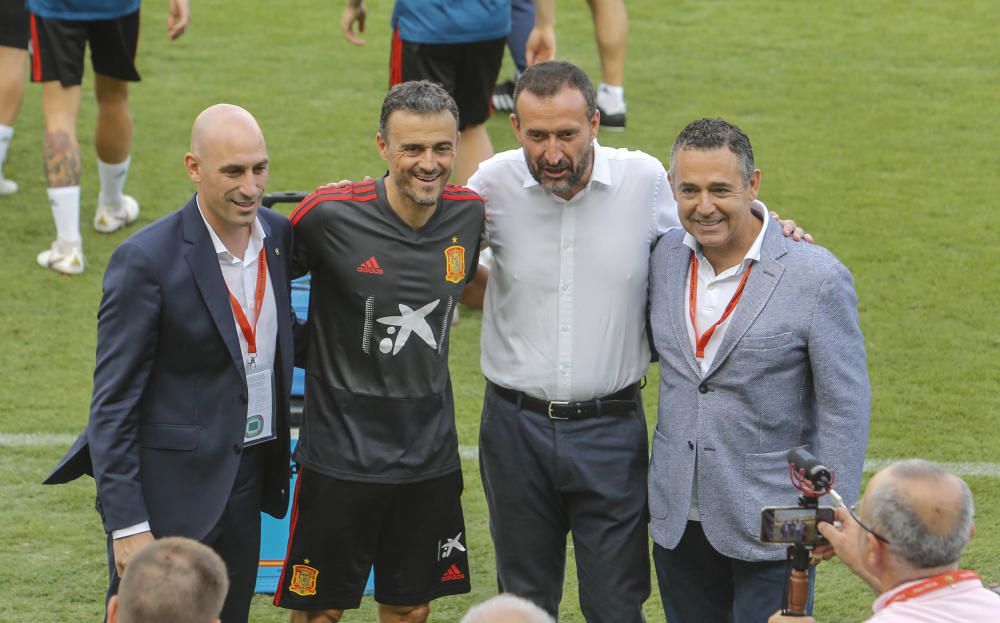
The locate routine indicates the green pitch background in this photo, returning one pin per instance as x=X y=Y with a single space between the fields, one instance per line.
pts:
x=874 y=123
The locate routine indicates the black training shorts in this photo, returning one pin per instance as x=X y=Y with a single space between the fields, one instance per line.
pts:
x=58 y=48
x=14 y=24
x=467 y=71
x=413 y=533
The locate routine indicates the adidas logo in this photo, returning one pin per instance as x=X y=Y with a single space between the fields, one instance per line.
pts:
x=370 y=266
x=452 y=574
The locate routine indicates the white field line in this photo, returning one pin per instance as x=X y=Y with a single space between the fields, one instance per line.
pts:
x=471 y=453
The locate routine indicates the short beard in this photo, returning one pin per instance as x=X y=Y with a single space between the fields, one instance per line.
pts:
x=560 y=187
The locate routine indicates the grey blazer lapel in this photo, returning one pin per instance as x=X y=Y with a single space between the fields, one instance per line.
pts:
x=204 y=265
x=680 y=266
x=760 y=285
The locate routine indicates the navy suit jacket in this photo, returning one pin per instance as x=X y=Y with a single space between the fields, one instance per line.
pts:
x=167 y=418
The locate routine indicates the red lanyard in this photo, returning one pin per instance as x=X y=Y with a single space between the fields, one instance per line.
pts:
x=932 y=584
x=250 y=333
x=702 y=341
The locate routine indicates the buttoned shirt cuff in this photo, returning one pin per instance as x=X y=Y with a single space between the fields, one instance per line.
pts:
x=130 y=531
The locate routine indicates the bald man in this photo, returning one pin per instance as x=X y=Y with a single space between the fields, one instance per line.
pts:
x=905 y=544
x=507 y=608
x=188 y=430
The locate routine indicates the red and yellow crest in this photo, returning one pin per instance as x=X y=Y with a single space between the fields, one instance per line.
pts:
x=454 y=263
x=303 y=580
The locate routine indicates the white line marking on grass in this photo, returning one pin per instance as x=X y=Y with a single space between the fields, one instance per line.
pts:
x=35 y=440
x=471 y=453
x=988 y=470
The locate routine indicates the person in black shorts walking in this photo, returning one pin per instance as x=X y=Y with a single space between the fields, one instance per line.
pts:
x=380 y=478
x=59 y=33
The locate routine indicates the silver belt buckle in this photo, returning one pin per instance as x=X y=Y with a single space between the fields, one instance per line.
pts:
x=560 y=403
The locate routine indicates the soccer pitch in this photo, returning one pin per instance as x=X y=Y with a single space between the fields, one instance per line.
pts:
x=873 y=122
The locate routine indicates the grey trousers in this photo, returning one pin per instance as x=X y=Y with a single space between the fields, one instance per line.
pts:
x=544 y=478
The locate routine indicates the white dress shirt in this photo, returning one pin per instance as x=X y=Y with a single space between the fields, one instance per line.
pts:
x=714 y=293
x=241 y=279
x=564 y=316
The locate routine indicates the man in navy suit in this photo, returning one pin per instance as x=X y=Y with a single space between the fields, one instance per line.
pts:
x=760 y=352
x=188 y=430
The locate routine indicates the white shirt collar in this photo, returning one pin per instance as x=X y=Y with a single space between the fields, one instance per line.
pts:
x=600 y=173
x=753 y=253
x=257 y=236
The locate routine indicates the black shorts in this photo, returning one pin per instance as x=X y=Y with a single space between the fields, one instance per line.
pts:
x=413 y=533
x=14 y=24
x=467 y=71
x=58 y=48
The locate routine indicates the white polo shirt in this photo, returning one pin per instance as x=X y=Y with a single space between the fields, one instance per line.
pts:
x=565 y=311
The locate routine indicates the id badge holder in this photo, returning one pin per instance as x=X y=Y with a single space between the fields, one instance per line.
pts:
x=260 y=408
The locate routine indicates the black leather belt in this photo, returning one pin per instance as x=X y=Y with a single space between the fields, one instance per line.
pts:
x=619 y=402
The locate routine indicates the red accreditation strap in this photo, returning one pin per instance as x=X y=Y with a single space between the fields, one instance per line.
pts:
x=702 y=341
x=932 y=584
x=250 y=333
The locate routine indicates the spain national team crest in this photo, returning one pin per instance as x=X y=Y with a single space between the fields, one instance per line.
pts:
x=303 y=580
x=454 y=263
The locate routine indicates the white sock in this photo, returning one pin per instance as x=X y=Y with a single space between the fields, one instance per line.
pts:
x=6 y=133
x=113 y=182
x=65 y=202
x=611 y=98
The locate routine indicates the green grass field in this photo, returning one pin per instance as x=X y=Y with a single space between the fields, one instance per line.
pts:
x=874 y=124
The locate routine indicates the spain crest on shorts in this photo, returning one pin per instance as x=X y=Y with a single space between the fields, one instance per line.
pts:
x=454 y=263
x=303 y=580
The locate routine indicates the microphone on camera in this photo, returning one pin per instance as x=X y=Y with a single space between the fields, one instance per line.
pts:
x=820 y=475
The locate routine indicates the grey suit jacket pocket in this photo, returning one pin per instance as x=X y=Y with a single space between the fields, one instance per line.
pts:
x=767 y=484
x=753 y=342
x=169 y=436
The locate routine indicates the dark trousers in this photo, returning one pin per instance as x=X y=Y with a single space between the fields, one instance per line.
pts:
x=700 y=585
x=235 y=537
x=544 y=478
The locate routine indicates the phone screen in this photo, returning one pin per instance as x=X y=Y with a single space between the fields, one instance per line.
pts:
x=793 y=524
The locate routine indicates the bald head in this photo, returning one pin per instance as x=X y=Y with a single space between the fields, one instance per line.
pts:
x=215 y=122
x=922 y=510
x=507 y=609
x=228 y=161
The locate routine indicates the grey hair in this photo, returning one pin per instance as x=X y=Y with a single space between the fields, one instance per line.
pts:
x=507 y=608
x=891 y=515
x=422 y=97
x=173 y=579
x=548 y=78
x=707 y=134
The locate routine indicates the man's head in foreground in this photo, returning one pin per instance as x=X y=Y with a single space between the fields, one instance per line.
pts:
x=507 y=609
x=556 y=120
x=918 y=519
x=171 y=580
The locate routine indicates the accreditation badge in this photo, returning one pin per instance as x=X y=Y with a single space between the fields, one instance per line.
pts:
x=260 y=408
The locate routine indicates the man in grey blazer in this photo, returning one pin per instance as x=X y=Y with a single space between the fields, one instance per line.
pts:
x=760 y=352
